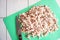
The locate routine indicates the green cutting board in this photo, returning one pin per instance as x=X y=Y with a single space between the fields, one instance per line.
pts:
x=11 y=25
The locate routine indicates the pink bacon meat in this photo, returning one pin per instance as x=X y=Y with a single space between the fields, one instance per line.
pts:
x=38 y=21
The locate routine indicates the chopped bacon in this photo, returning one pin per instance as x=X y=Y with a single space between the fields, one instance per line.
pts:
x=39 y=20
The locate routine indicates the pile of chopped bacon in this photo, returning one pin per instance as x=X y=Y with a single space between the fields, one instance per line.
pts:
x=38 y=21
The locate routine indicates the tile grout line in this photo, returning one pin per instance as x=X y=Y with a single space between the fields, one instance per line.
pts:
x=6 y=16
x=28 y=3
x=2 y=17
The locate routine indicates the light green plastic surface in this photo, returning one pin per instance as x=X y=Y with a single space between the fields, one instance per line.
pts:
x=11 y=25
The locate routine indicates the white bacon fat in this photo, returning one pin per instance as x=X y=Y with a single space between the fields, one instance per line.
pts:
x=38 y=21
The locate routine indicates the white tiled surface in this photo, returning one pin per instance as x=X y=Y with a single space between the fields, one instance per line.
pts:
x=58 y=2
x=12 y=6
x=33 y=1
x=16 y=5
x=2 y=8
x=2 y=30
